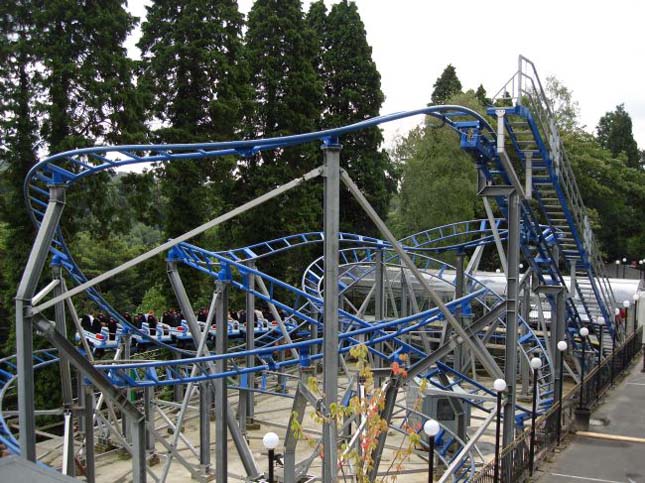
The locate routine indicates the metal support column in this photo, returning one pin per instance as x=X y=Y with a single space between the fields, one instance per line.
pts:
x=88 y=417
x=512 y=277
x=525 y=309
x=331 y=153
x=291 y=439
x=246 y=404
x=24 y=321
x=61 y=327
x=65 y=371
x=459 y=292
x=149 y=412
x=204 y=428
x=221 y=399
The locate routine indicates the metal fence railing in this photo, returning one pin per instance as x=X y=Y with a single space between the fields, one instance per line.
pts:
x=514 y=459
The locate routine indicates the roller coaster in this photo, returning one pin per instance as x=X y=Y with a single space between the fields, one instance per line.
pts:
x=399 y=298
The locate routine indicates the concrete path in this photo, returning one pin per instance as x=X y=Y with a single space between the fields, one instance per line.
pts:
x=614 y=449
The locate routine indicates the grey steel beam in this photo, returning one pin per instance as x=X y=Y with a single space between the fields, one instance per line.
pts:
x=175 y=241
x=221 y=396
x=291 y=439
x=389 y=402
x=331 y=155
x=459 y=292
x=204 y=428
x=77 y=324
x=137 y=420
x=496 y=237
x=247 y=397
x=63 y=365
x=512 y=277
x=482 y=354
x=149 y=413
x=88 y=417
x=525 y=309
x=24 y=322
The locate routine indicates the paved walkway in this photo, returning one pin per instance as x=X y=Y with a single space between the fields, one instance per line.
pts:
x=614 y=449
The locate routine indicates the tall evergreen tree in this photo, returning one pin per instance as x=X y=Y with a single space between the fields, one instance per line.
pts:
x=480 y=94
x=194 y=86
x=281 y=51
x=615 y=133
x=353 y=93
x=18 y=123
x=88 y=76
x=446 y=86
x=89 y=94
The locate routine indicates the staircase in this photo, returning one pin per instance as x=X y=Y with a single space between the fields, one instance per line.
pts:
x=534 y=140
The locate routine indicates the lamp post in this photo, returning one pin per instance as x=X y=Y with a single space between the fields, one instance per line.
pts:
x=431 y=428
x=536 y=364
x=270 y=442
x=624 y=264
x=626 y=304
x=617 y=267
x=500 y=386
x=562 y=347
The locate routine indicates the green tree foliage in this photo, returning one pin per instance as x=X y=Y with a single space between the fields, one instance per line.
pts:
x=446 y=86
x=615 y=133
x=193 y=83
x=565 y=109
x=439 y=180
x=280 y=51
x=480 y=94
x=353 y=93
x=87 y=74
x=613 y=193
x=19 y=127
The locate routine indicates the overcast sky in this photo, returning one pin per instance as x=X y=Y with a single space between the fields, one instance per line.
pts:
x=595 y=48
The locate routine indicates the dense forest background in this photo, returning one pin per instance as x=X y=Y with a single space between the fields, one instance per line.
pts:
x=207 y=73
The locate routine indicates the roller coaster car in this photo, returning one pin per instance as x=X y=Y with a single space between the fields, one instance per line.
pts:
x=100 y=342
x=261 y=326
x=181 y=334
x=161 y=333
x=233 y=330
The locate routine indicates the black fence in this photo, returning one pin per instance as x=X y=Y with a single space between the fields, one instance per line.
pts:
x=514 y=459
